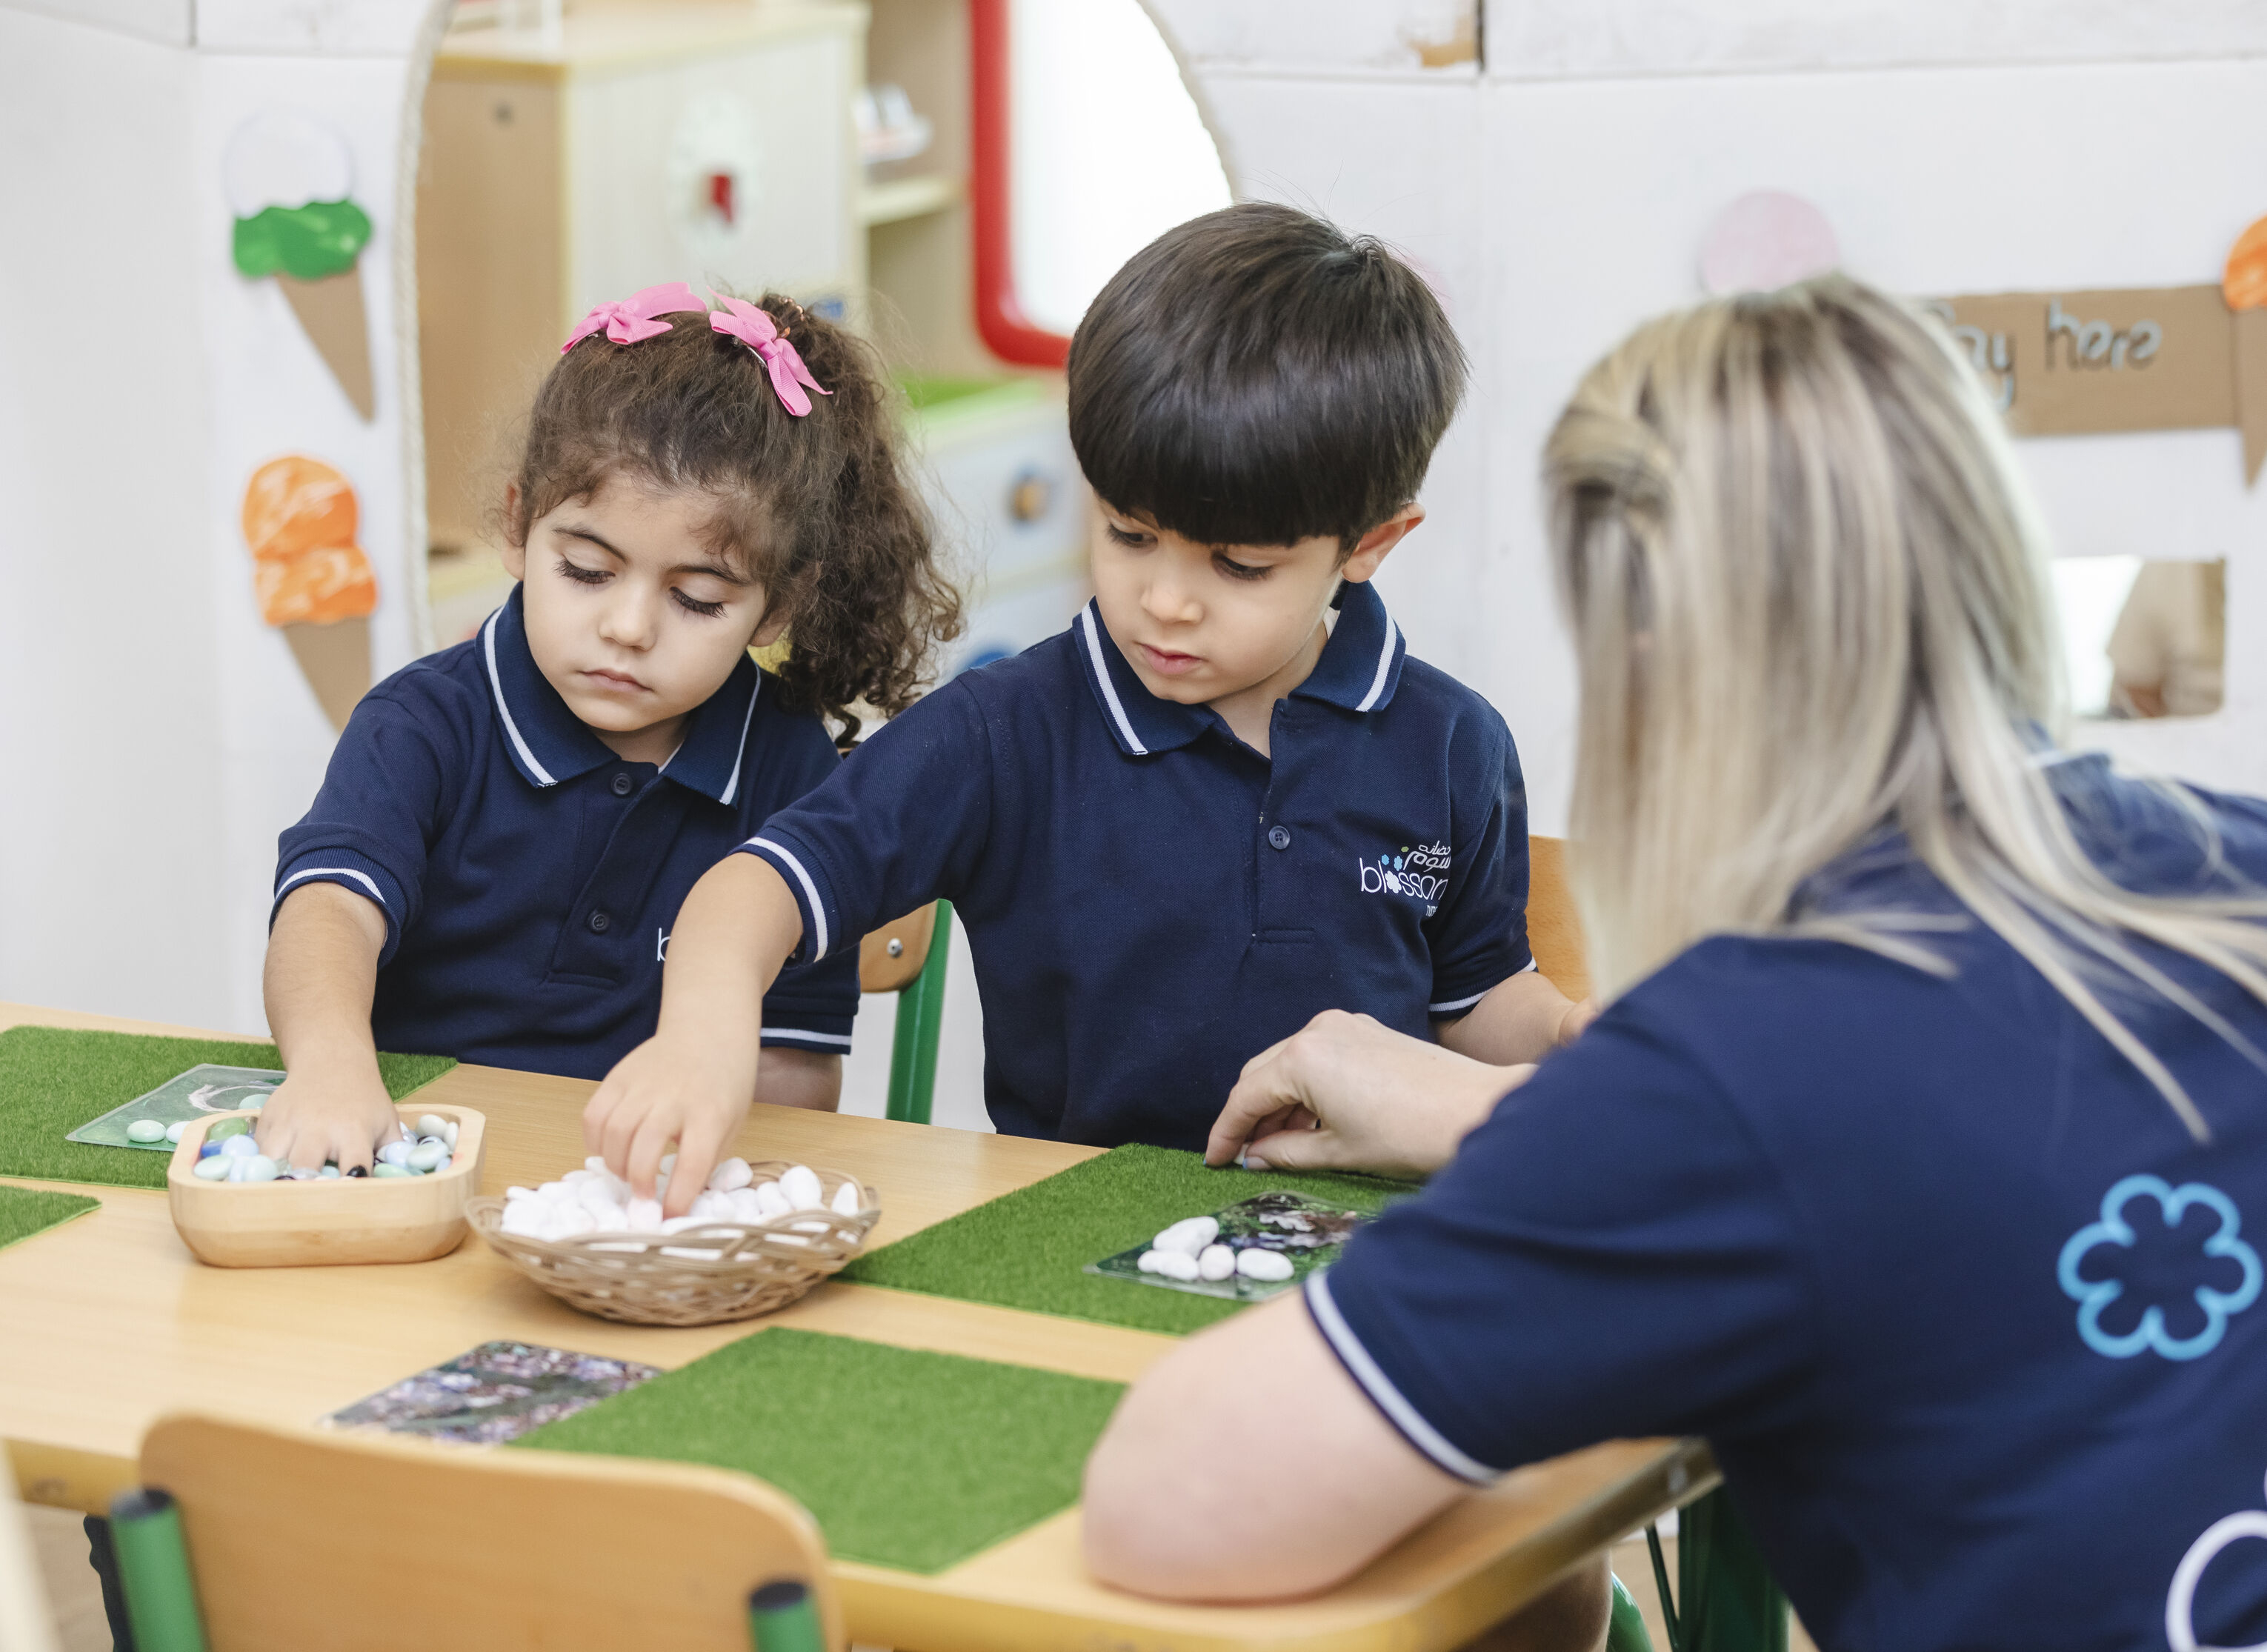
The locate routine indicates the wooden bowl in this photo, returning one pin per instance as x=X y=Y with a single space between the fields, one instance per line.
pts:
x=708 y=1274
x=327 y=1223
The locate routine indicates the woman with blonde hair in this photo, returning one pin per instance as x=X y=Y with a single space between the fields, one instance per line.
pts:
x=1919 y=1158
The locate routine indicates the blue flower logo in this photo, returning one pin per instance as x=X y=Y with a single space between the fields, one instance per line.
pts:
x=2093 y=1297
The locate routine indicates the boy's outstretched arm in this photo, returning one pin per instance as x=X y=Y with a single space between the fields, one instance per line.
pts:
x=694 y=1079
x=799 y=1078
x=1523 y=1019
x=320 y=975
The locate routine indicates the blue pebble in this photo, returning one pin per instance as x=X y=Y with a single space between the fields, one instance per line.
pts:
x=208 y=1149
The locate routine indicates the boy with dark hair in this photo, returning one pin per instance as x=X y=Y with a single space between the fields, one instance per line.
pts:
x=1224 y=801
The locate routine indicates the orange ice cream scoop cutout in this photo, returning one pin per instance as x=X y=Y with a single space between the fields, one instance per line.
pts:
x=2244 y=286
x=300 y=518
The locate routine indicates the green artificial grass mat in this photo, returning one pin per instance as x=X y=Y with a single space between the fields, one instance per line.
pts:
x=52 y=1081
x=24 y=1211
x=907 y=1460
x=1028 y=1248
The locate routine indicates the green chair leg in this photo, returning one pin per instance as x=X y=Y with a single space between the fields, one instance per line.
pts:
x=921 y=1018
x=783 y=1618
x=153 y=1565
x=1625 y=1629
x=1731 y=1603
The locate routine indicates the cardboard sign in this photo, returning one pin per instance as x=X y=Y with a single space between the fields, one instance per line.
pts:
x=2144 y=358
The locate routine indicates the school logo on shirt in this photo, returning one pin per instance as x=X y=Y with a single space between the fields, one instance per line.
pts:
x=1415 y=873
x=2202 y=1279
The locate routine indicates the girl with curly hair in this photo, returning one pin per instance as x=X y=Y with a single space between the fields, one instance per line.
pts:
x=493 y=866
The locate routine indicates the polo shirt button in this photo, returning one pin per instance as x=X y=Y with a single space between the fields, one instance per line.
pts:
x=623 y=785
x=1280 y=836
x=600 y=923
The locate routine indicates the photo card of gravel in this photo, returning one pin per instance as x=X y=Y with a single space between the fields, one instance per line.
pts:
x=205 y=1087
x=1250 y=1251
x=495 y=1392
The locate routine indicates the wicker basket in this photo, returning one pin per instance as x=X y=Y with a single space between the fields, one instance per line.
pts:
x=708 y=1274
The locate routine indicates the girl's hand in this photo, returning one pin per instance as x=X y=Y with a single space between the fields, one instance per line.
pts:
x=662 y=1092
x=1347 y=1093
x=318 y=1116
x=1578 y=1016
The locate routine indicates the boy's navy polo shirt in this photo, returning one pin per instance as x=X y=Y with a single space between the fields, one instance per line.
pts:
x=1149 y=902
x=1972 y=1322
x=529 y=877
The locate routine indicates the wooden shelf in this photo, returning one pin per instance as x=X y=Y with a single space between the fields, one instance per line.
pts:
x=903 y=198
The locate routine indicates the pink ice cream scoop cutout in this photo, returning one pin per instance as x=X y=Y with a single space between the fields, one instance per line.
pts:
x=626 y=320
x=754 y=327
x=1766 y=241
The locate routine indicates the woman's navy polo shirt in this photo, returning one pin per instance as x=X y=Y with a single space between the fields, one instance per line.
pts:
x=1149 y=902
x=1973 y=1324
x=529 y=877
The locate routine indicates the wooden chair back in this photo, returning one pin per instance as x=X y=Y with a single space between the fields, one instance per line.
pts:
x=1554 y=928
x=880 y=970
x=369 y=1543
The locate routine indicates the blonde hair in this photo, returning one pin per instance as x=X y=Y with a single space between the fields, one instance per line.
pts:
x=1809 y=600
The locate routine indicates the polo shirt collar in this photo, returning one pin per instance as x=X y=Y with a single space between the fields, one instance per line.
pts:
x=1361 y=665
x=1359 y=670
x=548 y=743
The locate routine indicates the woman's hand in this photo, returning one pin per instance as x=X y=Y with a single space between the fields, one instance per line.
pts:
x=320 y=1116
x=1346 y=1093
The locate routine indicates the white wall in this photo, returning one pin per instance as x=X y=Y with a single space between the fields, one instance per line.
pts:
x=156 y=736
x=1557 y=195
x=111 y=777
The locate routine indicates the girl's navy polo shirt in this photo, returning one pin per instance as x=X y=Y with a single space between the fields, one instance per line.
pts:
x=1973 y=1324
x=529 y=877
x=1149 y=902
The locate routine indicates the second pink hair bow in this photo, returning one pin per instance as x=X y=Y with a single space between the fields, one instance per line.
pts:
x=626 y=320
x=754 y=327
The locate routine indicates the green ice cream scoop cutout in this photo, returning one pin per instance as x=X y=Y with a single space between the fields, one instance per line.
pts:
x=323 y=237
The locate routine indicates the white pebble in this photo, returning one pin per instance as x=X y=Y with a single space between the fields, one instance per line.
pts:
x=449 y=1135
x=552 y=1192
x=611 y=1219
x=773 y=1202
x=643 y=1214
x=432 y=1124
x=1176 y=1264
x=1217 y=1262
x=328 y=1173
x=446 y=1160
x=688 y=1253
x=1267 y=1267
x=239 y=1147
x=146 y=1130
x=845 y=1199
x=679 y=1224
x=397 y=1153
x=564 y=1221
x=713 y=1206
x=214 y=1169
x=1189 y=1236
x=668 y=1162
x=175 y=1132
x=426 y=1155
x=256 y=1167
x=799 y=1186
x=746 y=1207
x=729 y=1176
x=595 y=1162
x=515 y=1193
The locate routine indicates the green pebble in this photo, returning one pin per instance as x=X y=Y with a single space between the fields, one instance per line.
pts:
x=146 y=1130
x=391 y=1170
x=212 y=1169
x=227 y=1128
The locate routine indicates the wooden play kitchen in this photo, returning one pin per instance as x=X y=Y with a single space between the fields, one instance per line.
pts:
x=112 y=1322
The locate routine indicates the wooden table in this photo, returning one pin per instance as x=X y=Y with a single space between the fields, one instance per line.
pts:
x=107 y=1322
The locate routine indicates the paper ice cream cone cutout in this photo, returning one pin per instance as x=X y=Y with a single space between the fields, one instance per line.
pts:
x=314 y=582
x=289 y=178
x=2244 y=286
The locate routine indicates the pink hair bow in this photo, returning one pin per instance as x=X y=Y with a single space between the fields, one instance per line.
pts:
x=754 y=327
x=626 y=320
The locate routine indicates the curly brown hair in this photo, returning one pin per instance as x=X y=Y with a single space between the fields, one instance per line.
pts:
x=816 y=509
